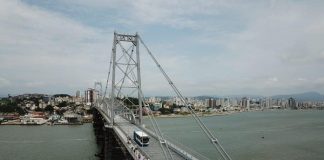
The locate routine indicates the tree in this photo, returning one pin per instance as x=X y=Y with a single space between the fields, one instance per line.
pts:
x=49 y=108
x=38 y=109
x=165 y=110
x=62 y=104
x=11 y=107
x=90 y=111
x=60 y=112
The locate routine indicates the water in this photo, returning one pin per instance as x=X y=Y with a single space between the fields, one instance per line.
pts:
x=47 y=142
x=288 y=135
x=281 y=135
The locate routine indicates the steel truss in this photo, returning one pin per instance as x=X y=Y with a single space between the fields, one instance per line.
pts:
x=126 y=83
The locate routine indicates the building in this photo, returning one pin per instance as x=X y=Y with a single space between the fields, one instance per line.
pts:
x=211 y=103
x=154 y=100
x=208 y=102
x=268 y=102
x=78 y=94
x=245 y=103
x=233 y=102
x=178 y=101
x=292 y=103
x=156 y=106
x=91 y=95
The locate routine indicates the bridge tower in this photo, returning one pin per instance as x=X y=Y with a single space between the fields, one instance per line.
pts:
x=122 y=109
x=126 y=73
x=96 y=85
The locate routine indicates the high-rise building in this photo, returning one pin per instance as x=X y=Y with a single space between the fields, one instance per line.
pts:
x=178 y=101
x=91 y=95
x=233 y=102
x=78 y=94
x=292 y=103
x=211 y=102
x=245 y=103
x=268 y=102
x=208 y=102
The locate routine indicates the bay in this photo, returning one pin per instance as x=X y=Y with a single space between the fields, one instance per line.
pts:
x=47 y=142
x=264 y=135
x=267 y=135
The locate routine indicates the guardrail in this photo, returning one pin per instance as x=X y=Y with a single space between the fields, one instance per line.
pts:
x=175 y=148
x=131 y=146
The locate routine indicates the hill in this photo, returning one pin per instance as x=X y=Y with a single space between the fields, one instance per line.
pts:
x=306 y=96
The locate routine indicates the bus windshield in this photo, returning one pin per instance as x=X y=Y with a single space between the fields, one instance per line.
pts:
x=145 y=139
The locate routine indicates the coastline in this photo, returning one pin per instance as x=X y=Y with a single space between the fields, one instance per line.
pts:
x=200 y=114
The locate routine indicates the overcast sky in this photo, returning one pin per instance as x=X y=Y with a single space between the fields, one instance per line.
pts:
x=208 y=47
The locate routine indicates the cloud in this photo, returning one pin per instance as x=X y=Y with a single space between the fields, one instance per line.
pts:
x=214 y=47
x=35 y=84
x=177 y=14
x=273 y=79
x=48 y=47
x=4 y=82
x=285 y=31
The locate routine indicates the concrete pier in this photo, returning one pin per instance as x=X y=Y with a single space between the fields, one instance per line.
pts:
x=110 y=147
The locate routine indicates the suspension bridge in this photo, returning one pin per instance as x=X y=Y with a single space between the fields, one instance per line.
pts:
x=119 y=110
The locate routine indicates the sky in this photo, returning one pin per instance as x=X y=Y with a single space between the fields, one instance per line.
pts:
x=208 y=47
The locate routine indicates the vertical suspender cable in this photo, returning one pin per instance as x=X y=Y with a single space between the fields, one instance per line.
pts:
x=158 y=131
x=212 y=138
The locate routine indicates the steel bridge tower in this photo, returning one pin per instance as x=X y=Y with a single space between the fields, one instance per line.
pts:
x=126 y=99
x=126 y=73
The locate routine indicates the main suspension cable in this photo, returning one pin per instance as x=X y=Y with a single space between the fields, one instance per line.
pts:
x=157 y=130
x=108 y=75
x=207 y=132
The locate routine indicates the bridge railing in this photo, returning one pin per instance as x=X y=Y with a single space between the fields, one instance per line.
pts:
x=131 y=144
x=177 y=144
x=175 y=148
x=180 y=149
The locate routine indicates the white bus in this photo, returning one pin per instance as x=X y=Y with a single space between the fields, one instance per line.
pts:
x=141 y=138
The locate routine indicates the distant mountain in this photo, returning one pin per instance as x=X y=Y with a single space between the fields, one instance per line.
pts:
x=61 y=95
x=205 y=97
x=244 y=95
x=307 y=96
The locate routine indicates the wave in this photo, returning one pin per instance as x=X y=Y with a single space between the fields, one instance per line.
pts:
x=21 y=142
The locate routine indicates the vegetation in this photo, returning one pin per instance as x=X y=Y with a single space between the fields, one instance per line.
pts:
x=61 y=95
x=33 y=99
x=6 y=106
x=60 y=112
x=37 y=109
x=166 y=110
x=63 y=104
x=49 y=108
x=4 y=101
x=90 y=111
x=130 y=101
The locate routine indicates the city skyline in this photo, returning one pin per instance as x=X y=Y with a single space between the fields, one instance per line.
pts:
x=306 y=96
x=211 y=48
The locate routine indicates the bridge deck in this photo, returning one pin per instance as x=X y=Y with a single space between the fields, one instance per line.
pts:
x=124 y=130
x=153 y=150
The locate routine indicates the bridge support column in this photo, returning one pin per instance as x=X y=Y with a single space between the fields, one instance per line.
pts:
x=113 y=148
x=109 y=144
x=98 y=124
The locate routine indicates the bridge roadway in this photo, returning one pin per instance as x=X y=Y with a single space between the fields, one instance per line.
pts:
x=124 y=130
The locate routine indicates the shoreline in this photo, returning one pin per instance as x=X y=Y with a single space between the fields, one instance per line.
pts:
x=200 y=114
x=189 y=115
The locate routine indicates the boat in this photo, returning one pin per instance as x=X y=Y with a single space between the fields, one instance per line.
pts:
x=62 y=121
x=27 y=120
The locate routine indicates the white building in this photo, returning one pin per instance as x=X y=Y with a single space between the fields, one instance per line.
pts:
x=91 y=95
